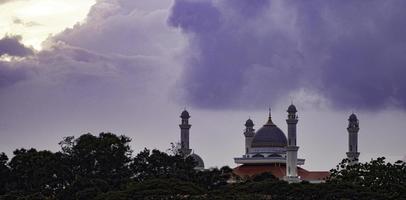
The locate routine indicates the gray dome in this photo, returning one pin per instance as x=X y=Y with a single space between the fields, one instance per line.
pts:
x=199 y=160
x=292 y=109
x=269 y=136
x=249 y=123
x=185 y=115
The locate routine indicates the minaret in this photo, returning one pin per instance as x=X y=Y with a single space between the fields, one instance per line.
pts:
x=353 y=128
x=184 y=133
x=249 y=134
x=292 y=148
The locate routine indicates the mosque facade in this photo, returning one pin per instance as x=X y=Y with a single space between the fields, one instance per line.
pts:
x=269 y=149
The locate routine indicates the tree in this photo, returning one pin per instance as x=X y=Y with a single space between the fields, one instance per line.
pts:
x=156 y=164
x=84 y=188
x=376 y=175
x=41 y=172
x=213 y=178
x=264 y=176
x=171 y=188
x=106 y=157
x=4 y=173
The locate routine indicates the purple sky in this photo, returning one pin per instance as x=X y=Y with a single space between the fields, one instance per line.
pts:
x=133 y=65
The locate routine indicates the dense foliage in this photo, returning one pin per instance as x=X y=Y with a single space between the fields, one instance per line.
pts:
x=103 y=168
x=377 y=175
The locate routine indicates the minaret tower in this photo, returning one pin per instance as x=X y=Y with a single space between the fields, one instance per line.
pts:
x=184 y=133
x=353 y=128
x=249 y=134
x=292 y=148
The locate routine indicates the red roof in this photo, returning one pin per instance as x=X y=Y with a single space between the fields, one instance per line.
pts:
x=279 y=171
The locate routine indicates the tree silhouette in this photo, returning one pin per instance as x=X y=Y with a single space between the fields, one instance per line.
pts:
x=376 y=175
x=4 y=173
x=102 y=167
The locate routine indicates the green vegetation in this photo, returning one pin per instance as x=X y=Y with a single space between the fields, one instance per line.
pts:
x=103 y=168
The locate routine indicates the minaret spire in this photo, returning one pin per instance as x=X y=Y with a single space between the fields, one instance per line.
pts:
x=184 y=133
x=353 y=128
x=292 y=148
x=249 y=134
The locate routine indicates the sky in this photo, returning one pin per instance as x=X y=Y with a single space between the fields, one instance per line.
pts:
x=131 y=66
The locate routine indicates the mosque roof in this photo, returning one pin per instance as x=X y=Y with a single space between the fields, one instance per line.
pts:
x=279 y=171
x=269 y=136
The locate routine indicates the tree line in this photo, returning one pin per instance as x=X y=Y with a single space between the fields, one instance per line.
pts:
x=103 y=167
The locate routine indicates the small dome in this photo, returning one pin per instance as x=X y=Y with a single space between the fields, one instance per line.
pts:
x=185 y=114
x=199 y=160
x=292 y=109
x=249 y=123
x=269 y=136
x=353 y=118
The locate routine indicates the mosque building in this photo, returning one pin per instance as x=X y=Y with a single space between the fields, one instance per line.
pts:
x=269 y=149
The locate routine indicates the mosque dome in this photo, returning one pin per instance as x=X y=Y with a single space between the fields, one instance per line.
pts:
x=199 y=160
x=269 y=136
x=292 y=109
x=249 y=123
x=185 y=114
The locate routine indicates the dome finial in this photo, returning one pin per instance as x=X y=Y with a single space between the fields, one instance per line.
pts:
x=270 y=115
x=270 y=118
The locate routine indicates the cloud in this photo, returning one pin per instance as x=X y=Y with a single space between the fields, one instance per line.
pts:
x=244 y=55
x=126 y=38
x=27 y=24
x=10 y=75
x=126 y=28
x=12 y=46
x=122 y=58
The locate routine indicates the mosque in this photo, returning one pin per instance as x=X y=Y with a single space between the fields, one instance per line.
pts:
x=269 y=149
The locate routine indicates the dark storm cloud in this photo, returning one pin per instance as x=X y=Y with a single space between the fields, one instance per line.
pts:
x=226 y=54
x=11 y=46
x=350 y=52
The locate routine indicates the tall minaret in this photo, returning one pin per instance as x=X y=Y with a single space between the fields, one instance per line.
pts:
x=292 y=148
x=249 y=134
x=353 y=128
x=184 y=133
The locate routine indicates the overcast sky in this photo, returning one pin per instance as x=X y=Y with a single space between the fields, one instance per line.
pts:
x=131 y=66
